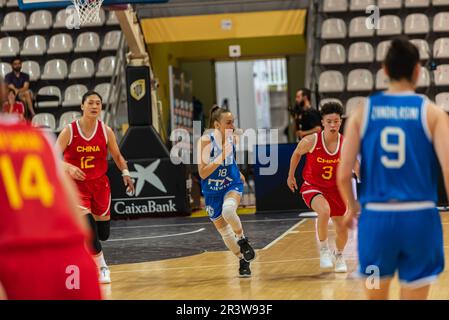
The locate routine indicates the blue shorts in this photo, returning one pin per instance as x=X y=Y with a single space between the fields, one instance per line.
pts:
x=214 y=202
x=410 y=242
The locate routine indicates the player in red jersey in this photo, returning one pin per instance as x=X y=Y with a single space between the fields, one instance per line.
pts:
x=319 y=189
x=42 y=237
x=85 y=144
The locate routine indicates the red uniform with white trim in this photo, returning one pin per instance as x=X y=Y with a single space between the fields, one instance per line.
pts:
x=42 y=248
x=319 y=175
x=90 y=155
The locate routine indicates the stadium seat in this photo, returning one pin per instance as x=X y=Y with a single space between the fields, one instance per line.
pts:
x=331 y=81
x=437 y=3
x=9 y=47
x=323 y=101
x=106 y=67
x=360 y=80
x=360 y=52
x=389 y=25
x=442 y=100
x=33 y=69
x=34 y=46
x=417 y=3
x=44 y=120
x=333 y=54
x=382 y=80
x=111 y=40
x=423 y=47
x=354 y=103
x=441 y=22
x=424 y=78
x=55 y=69
x=105 y=116
x=382 y=49
x=441 y=48
x=99 y=23
x=14 y=21
x=60 y=43
x=73 y=95
x=60 y=19
x=2 y=3
x=361 y=5
x=112 y=19
x=67 y=118
x=103 y=89
x=389 y=4
x=87 y=42
x=40 y=20
x=416 y=23
x=335 y=5
x=12 y=4
x=442 y=75
x=82 y=68
x=5 y=68
x=357 y=28
x=49 y=91
x=333 y=28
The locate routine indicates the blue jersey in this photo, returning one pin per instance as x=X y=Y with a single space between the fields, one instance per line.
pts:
x=226 y=175
x=398 y=159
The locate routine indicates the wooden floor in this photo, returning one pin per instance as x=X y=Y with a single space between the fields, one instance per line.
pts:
x=288 y=268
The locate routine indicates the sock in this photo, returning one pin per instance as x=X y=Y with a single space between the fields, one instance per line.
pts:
x=240 y=237
x=101 y=263
x=324 y=244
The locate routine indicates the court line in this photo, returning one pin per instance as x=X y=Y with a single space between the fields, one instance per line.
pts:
x=161 y=236
x=272 y=243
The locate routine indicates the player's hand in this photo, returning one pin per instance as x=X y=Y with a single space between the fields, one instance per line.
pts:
x=351 y=217
x=129 y=184
x=76 y=173
x=291 y=182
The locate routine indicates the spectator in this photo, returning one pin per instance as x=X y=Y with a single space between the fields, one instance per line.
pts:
x=14 y=106
x=308 y=118
x=20 y=82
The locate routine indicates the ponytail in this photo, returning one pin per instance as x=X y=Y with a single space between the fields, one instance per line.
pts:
x=215 y=114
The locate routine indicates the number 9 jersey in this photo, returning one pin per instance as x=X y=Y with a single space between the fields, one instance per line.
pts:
x=396 y=150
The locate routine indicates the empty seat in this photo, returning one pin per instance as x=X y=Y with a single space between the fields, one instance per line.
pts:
x=357 y=28
x=73 y=95
x=5 y=68
x=360 y=52
x=331 y=81
x=382 y=80
x=360 y=5
x=49 y=91
x=33 y=69
x=2 y=3
x=441 y=22
x=14 y=21
x=97 y=23
x=437 y=3
x=111 y=40
x=82 y=68
x=12 y=4
x=417 y=3
x=9 y=47
x=44 y=120
x=332 y=54
x=424 y=78
x=442 y=75
x=105 y=116
x=389 y=25
x=106 y=67
x=60 y=19
x=40 y=20
x=333 y=28
x=34 y=46
x=389 y=4
x=60 y=43
x=423 y=48
x=442 y=100
x=416 y=23
x=382 y=49
x=335 y=5
x=104 y=89
x=87 y=42
x=360 y=80
x=353 y=104
x=112 y=19
x=441 y=48
x=55 y=69
x=68 y=117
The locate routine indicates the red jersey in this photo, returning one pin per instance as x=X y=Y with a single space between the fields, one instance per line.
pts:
x=33 y=206
x=88 y=153
x=321 y=165
x=18 y=107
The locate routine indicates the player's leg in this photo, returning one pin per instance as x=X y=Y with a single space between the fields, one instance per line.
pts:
x=341 y=238
x=320 y=205
x=415 y=293
x=379 y=291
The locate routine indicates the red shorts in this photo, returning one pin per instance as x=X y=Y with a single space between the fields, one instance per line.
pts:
x=50 y=273
x=336 y=203
x=95 y=195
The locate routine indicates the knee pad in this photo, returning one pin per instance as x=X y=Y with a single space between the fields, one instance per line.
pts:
x=96 y=245
x=229 y=208
x=104 y=228
x=227 y=232
x=230 y=239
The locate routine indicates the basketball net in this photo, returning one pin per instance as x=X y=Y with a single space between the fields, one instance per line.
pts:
x=88 y=10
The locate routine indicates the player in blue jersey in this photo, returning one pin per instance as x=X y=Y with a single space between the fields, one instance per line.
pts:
x=222 y=184
x=400 y=136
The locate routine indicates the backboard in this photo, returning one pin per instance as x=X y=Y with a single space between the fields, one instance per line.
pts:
x=45 y=4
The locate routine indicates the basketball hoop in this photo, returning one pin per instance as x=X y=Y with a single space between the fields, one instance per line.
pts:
x=88 y=10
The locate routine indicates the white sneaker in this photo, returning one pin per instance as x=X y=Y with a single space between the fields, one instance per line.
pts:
x=340 y=264
x=325 y=258
x=105 y=275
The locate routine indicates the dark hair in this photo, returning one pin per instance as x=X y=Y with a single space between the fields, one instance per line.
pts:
x=15 y=58
x=401 y=59
x=305 y=92
x=215 y=114
x=13 y=91
x=331 y=107
x=91 y=93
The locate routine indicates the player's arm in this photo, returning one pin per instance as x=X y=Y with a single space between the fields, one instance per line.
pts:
x=3 y=295
x=357 y=169
x=304 y=146
x=118 y=159
x=62 y=142
x=205 y=166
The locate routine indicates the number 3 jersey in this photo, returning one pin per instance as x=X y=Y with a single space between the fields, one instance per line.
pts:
x=88 y=153
x=321 y=165
x=398 y=158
